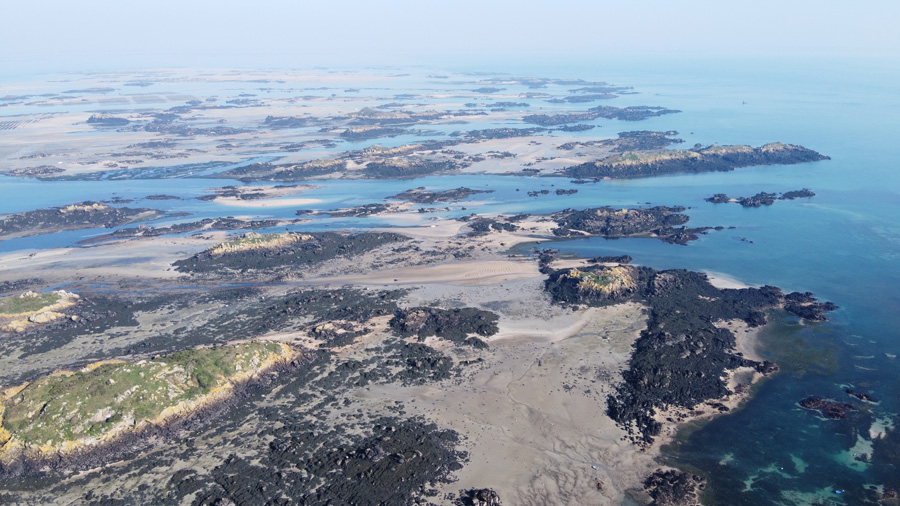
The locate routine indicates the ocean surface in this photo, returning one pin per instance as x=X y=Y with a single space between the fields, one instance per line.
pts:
x=843 y=244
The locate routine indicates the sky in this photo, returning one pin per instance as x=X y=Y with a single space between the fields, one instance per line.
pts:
x=102 y=34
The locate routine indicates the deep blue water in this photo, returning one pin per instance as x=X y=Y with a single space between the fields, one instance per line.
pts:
x=843 y=244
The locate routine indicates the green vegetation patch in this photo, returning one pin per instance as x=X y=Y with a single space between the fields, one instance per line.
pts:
x=91 y=402
x=28 y=302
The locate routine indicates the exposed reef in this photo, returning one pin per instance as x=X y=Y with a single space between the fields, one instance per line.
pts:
x=291 y=249
x=72 y=217
x=452 y=324
x=41 y=171
x=681 y=358
x=480 y=225
x=660 y=222
x=408 y=168
x=760 y=199
x=699 y=159
x=284 y=172
x=422 y=196
x=640 y=140
x=806 y=306
x=478 y=497
x=829 y=409
x=497 y=133
x=633 y=113
x=256 y=192
x=362 y=133
x=674 y=488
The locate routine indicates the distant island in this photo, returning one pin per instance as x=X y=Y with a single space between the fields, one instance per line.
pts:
x=761 y=199
x=699 y=159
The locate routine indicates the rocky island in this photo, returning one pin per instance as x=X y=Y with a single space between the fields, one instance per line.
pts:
x=71 y=217
x=698 y=159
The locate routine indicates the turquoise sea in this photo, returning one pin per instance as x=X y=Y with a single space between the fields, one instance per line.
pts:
x=843 y=245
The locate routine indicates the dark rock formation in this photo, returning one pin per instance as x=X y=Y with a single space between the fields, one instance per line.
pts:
x=422 y=196
x=659 y=222
x=860 y=395
x=103 y=120
x=679 y=360
x=498 y=133
x=359 y=211
x=634 y=113
x=478 y=497
x=361 y=134
x=829 y=409
x=41 y=171
x=481 y=225
x=284 y=172
x=391 y=169
x=548 y=120
x=640 y=140
x=806 y=306
x=674 y=488
x=760 y=199
x=620 y=259
x=699 y=159
x=719 y=198
x=488 y=89
x=77 y=216
x=576 y=128
x=580 y=99
x=797 y=194
x=452 y=324
x=320 y=247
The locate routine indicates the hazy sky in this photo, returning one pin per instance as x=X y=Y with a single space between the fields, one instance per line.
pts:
x=135 y=33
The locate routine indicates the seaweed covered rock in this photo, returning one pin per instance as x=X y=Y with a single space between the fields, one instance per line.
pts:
x=390 y=463
x=829 y=409
x=674 y=488
x=659 y=221
x=479 y=497
x=452 y=324
x=806 y=306
x=682 y=356
x=422 y=196
x=609 y=222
